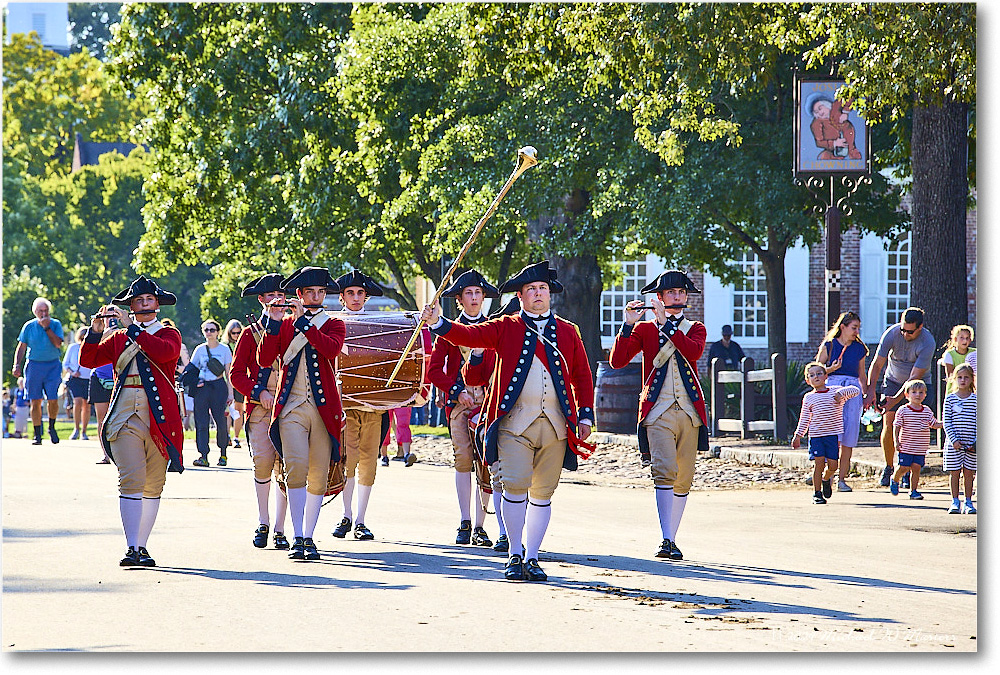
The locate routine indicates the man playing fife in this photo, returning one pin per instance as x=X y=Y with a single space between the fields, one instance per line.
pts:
x=445 y=372
x=142 y=432
x=672 y=420
x=259 y=385
x=542 y=392
x=366 y=427
x=306 y=417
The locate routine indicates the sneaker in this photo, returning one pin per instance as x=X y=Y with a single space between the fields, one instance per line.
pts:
x=399 y=458
x=222 y=461
x=131 y=558
x=904 y=482
x=75 y=435
x=843 y=487
x=818 y=498
x=809 y=480
x=53 y=436
x=827 y=488
x=201 y=461
x=341 y=530
x=886 y=476
x=385 y=461
x=894 y=487
x=236 y=443
x=955 y=507
x=411 y=459
x=84 y=437
x=915 y=495
x=362 y=533
x=969 y=508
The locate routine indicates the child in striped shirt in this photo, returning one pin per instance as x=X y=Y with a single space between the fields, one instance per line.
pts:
x=912 y=435
x=960 y=430
x=823 y=417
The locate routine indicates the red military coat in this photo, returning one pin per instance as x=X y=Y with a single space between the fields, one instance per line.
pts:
x=647 y=337
x=247 y=376
x=445 y=369
x=318 y=356
x=515 y=346
x=163 y=348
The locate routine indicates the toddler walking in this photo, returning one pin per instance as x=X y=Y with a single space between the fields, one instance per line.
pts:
x=822 y=417
x=960 y=432
x=912 y=435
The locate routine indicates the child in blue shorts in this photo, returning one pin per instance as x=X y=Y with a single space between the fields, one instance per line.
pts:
x=822 y=417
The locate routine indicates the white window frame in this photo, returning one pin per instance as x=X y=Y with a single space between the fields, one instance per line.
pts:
x=898 y=279
x=750 y=300
x=637 y=273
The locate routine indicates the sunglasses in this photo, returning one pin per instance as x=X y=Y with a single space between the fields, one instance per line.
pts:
x=907 y=332
x=209 y=330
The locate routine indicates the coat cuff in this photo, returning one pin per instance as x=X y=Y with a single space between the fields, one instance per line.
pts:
x=476 y=359
x=443 y=328
x=626 y=330
x=93 y=336
x=586 y=415
x=262 y=377
x=133 y=331
x=272 y=326
x=302 y=324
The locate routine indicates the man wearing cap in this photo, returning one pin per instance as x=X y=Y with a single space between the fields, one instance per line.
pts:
x=259 y=386
x=366 y=427
x=142 y=432
x=39 y=346
x=672 y=420
x=727 y=350
x=306 y=417
x=445 y=373
x=542 y=394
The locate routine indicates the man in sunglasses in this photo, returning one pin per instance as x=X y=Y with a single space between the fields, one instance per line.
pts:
x=905 y=350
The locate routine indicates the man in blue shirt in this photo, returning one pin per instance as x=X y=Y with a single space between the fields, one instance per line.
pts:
x=42 y=339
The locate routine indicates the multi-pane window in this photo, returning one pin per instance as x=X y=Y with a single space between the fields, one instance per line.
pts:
x=613 y=300
x=38 y=24
x=750 y=299
x=897 y=297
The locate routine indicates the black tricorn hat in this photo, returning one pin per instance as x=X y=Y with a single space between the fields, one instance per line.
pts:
x=268 y=283
x=141 y=285
x=670 y=279
x=513 y=306
x=470 y=278
x=359 y=278
x=530 y=274
x=310 y=276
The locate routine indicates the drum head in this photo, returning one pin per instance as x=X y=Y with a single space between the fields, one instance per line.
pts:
x=374 y=344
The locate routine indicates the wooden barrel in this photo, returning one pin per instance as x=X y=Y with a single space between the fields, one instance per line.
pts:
x=616 y=399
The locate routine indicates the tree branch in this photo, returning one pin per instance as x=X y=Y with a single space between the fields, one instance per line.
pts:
x=737 y=232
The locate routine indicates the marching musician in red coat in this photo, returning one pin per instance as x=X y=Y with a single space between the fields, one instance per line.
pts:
x=445 y=373
x=478 y=372
x=539 y=410
x=673 y=425
x=306 y=417
x=259 y=386
x=142 y=432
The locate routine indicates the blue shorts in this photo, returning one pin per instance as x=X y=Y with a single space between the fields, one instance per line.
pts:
x=43 y=376
x=906 y=459
x=824 y=446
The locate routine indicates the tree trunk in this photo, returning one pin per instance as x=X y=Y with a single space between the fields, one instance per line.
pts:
x=938 y=271
x=581 y=301
x=773 y=262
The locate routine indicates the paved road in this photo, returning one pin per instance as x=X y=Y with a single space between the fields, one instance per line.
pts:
x=765 y=570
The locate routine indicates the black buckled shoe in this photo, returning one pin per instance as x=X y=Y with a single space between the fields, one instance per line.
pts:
x=280 y=541
x=480 y=538
x=309 y=548
x=464 y=532
x=131 y=558
x=502 y=545
x=533 y=572
x=514 y=570
x=664 y=551
x=363 y=533
x=341 y=530
x=298 y=550
x=675 y=553
x=260 y=537
x=145 y=560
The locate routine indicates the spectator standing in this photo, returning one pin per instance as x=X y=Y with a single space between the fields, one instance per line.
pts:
x=39 y=347
x=78 y=384
x=960 y=430
x=905 y=351
x=822 y=417
x=21 y=406
x=214 y=392
x=231 y=336
x=8 y=404
x=727 y=350
x=956 y=351
x=971 y=360
x=102 y=382
x=912 y=435
x=843 y=355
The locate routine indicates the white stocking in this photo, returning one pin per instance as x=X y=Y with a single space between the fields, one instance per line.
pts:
x=347 y=496
x=664 y=500
x=130 y=507
x=263 y=492
x=514 y=509
x=497 y=501
x=364 y=492
x=536 y=522
x=296 y=508
x=313 y=503
x=463 y=485
x=149 y=510
x=280 y=507
x=675 y=515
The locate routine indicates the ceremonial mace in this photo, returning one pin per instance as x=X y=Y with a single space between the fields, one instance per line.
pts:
x=526 y=157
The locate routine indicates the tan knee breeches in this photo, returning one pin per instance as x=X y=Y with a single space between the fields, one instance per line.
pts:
x=361 y=442
x=264 y=454
x=531 y=462
x=673 y=446
x=306 y=448
x=141 y=466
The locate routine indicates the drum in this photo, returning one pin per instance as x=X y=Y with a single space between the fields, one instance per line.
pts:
x=335 y=481
x=479 y=466
x=374 y=344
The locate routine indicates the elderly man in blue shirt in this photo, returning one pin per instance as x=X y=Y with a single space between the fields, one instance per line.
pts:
x=41 y=340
